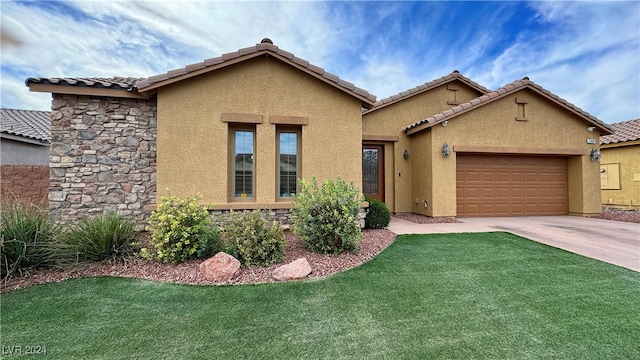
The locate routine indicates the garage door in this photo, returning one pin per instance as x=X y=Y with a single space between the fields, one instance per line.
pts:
x=510 y=185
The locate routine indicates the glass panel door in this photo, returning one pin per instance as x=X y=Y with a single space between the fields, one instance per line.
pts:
x=373 y=171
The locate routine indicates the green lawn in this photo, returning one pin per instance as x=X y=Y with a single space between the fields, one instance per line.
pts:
x=453 y=296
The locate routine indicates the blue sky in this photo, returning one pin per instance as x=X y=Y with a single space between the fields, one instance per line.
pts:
x=586 y=52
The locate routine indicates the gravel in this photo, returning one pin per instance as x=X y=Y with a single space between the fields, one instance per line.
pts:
x=632 y=216
x=422 y=219
x=372 y=243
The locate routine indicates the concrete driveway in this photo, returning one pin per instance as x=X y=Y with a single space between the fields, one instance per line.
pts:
x=610 y=241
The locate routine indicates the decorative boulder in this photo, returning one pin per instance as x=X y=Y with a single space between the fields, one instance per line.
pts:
x=295 y=270
x=221 y=267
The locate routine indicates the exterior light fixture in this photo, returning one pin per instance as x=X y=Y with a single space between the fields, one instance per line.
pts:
x=445 y=123
x=595 y=155
x=446 y=151
x=591 y=128
x=405 y=154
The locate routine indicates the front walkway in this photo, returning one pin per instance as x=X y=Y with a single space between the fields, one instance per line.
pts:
x=609 y=241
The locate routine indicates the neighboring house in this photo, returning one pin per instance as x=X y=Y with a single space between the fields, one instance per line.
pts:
x=25 y=136
x=240 y=127
x=620 y=166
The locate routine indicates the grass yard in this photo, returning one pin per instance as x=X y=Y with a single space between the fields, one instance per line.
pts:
x=440 y=296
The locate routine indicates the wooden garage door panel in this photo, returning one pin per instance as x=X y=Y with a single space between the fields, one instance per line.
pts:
x=505 y=185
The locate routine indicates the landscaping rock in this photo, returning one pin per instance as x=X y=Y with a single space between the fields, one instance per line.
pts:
x=221 y=267
x=297 y=269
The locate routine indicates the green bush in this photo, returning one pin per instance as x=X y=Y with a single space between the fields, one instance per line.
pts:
x=326 y=217
x=252 y=240
x=181 y=230
x=102 y=237
x=27 y=238
x=378 y=215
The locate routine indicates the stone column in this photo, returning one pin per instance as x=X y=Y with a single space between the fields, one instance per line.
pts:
x=103 y=157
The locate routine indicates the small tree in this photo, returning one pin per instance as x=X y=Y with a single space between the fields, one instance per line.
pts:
x=326 y=217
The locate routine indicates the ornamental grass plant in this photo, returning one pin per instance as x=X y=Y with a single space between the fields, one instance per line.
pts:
x=28 y=239
x=102 y=237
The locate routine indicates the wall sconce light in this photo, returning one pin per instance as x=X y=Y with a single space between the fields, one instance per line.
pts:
x=595 y=155
x=405 y=154
x=446 y=151
x=445 y=123
x=591 y=128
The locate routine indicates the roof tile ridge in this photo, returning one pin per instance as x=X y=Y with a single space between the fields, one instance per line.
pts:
x=468 y=80
x=565 y=102
x=460 y=107
x=455 y=74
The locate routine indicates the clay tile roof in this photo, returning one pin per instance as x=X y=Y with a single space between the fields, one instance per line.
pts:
x=499 y=93
x=266 y=46
x=116 y=82
x=623 y=132
x=30 y=124
x=455 y=75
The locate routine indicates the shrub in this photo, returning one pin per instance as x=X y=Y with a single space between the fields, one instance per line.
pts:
x=105 y=236
x=378 y=215
x=181 y=230
x=27 y=238
x=326 y=217
x=252 y=240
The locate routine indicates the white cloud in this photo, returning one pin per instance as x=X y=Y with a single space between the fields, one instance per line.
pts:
x=587 y=53
x=591 y=57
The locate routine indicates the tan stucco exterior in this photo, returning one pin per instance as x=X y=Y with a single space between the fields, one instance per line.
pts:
x=265 y=89
x=402 y=177
x=625 y=159
x=493 y=128
x=193 y=135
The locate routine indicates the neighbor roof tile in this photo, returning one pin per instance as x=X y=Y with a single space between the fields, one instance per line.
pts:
x=622 y=132
x=31 y=124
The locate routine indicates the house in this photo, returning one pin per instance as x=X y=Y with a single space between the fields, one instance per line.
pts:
x=24 y=154
x=620 y=166
x=239 y=128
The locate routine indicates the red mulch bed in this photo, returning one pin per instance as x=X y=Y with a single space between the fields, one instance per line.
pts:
x=632 y=216
x=372 y=243
x=422 y=219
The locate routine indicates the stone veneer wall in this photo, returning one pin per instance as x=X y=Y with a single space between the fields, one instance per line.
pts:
x=282 y=216
x=29 y=183
x=103 y=157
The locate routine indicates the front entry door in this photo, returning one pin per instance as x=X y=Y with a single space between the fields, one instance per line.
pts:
x=373 y=171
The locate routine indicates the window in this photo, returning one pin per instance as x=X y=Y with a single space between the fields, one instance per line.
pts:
x=244 y=163
x=288 y=162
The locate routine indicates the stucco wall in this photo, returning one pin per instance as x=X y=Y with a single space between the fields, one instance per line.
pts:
x=628 y=158
x=493 y=128
x=421 y=200
x=390 y=121
x=103 y=157
x=193 y=140
x=14 y=152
